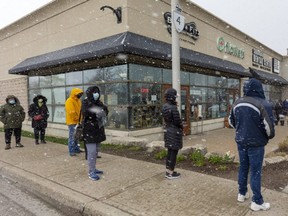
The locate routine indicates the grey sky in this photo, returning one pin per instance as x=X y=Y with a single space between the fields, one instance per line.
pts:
x=263 y=20
x=12 y=10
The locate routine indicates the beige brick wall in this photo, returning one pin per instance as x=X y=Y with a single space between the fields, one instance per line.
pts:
x=17 y=87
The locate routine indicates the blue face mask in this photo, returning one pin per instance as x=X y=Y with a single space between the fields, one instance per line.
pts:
x=96 y=96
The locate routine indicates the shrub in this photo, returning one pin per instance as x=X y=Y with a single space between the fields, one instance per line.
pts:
x=180 y=158
x=215 y=159
x=283 y=146
x=161 y=154
x=197 y=158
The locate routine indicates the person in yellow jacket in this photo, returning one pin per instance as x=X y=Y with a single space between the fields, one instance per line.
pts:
x=73 y=110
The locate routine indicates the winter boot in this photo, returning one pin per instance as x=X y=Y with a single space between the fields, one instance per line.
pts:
x=43 y=141
x=8 y=146
x=19 y=145
x=36 y=142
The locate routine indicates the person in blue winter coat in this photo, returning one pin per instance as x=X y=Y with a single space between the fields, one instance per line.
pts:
x=252 y=117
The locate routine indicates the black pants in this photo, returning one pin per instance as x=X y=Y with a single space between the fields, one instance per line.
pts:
x=41 y=131
x=171 y=159
x=8 y=134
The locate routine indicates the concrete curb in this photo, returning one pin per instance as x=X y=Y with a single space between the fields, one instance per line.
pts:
x=53 y=192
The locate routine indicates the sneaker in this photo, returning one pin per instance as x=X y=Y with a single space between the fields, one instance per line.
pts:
x=94 y=177
x=36 y=142
x=242 y=198
x=79 y=151
x=8 y=146
x=72 y=154
x=43 y=141
x=173 y=175
x=256 y=207
x=19 y=145
x=99 y=156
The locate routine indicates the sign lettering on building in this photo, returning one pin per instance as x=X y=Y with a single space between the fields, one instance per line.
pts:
x=190 y=29
x=259 y=61
x=229 y=48
x=275 y=65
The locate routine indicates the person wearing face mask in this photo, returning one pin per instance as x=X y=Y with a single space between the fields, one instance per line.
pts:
x=39 y=113
x=73 y=111
x=12 y=115
x=94 y=119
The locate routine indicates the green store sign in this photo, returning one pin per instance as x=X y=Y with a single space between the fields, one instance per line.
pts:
x=229 y=48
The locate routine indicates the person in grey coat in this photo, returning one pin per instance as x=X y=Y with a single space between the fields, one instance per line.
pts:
x=12 y=115
x=173 y=133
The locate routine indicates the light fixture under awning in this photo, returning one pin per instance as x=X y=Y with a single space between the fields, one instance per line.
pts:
x=268 y=78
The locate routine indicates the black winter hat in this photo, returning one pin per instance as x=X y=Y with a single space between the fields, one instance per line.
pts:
x=171 y=94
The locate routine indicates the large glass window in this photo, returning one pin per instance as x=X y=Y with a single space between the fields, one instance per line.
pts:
x=133 y=93
x=145 y=73
x=116 y=73
x=58 y=80
x=74 y=78
x=93 y=76
x=116 y=94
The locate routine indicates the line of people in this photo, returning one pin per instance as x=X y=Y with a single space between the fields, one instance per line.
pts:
x=251 y=116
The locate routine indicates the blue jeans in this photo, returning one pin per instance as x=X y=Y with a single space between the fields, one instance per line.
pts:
x=251 y=158
x=72 y=143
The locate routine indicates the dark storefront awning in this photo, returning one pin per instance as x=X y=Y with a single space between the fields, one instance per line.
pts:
x=126 y=43
x=268 y=78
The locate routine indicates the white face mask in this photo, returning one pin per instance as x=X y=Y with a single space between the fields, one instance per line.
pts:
x=11 y=101
x=96 y=96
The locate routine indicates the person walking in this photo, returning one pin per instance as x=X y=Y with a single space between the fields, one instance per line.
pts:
x=252 y=117
x=94 y=119
x=39 y=113
x=12 y=115
x=173 y=133
x=73 y=110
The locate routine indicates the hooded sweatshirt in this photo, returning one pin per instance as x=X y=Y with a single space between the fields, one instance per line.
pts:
x=252 y=116
x=73 y=107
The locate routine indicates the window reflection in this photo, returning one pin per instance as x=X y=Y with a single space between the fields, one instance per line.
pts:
x=33 y=82
x=45 y=81
x=58 y=80
x=145 y=73
x=59 y=95
x=47 y=94
x=93 y=75
x=74 y=78
x=59 y=115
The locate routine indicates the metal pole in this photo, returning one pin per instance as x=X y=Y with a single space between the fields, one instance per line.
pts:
x=175 y=56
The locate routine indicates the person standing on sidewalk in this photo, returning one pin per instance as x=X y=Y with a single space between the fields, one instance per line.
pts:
x=12 y=115
x=73 y=110
x=39 y=113
x=173 y=133
x=252 y=117
x=94 y=119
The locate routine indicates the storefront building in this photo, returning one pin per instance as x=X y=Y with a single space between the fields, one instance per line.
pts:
x=69 y=44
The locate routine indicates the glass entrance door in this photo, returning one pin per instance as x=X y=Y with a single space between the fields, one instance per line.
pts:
x=184 y=108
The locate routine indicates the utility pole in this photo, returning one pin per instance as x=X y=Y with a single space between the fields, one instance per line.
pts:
x=177 y=25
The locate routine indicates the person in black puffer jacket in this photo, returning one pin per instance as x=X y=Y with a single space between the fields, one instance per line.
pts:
x=173 y=132
x=39 y=113
x=94 y=119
